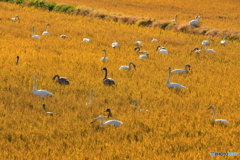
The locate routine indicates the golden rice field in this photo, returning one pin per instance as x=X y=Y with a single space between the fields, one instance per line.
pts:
x=217 y=14
x=178 y=124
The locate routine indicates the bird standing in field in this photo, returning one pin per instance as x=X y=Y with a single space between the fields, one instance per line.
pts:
x=33 y=33
x=128 y=67
x=180 y=71
x=104 y=58
x=137 y=43
x=40 y=93
x=115 y=123
x=195 y=22
x=161 y=49
x=214 y=114
x=46 y=32
x=173 y=85
x=61 y=80
x=107 y=81
x=175 y=18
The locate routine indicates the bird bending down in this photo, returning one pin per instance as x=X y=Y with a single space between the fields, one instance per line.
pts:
x=224 y=42
x=136 y=106
x=144 y=56
x=173 y=85
x=109 y=112
x=137 y=43
x=196 y=50
x=214 y=114
x=180 y=71
x=104 y=58
x=154 y=40
x=46 y=32
x=47 y=113
x=61 y=80
x=16 y=18
x=209 y=50
x=107 y=81
x=137 y=49
x=33 y=33
x=86 y=40
x=63 y=36
x=40 y=93
x=115 y=123
x=162 y=50
x=195 y=22
x=128 y=67
x=115 y=44
x=206 y=42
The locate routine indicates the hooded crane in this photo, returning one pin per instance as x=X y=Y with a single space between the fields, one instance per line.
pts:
x=61 y=80
x=107 y=81
x=109 y=112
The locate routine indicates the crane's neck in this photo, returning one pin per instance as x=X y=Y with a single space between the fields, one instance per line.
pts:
x=91 y=96
x=175 y=19
x=137 y=49
x=129 y=65
x=105 y=75
x=214 y=114
x=104 y=54
x=17 y=60
x=56 y=76
x=33 y=30
x=102 y=121
x=186 y=69
x=47 y=28
x=34 y=84
x=169 y=73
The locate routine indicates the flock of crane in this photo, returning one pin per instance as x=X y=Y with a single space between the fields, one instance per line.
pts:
x=109 y=81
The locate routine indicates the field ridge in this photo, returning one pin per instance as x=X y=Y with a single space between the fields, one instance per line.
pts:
x=127 y=19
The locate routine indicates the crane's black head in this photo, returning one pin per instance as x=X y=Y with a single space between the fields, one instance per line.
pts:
x=44 y=106
x=107 y=110
x=104 y=68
